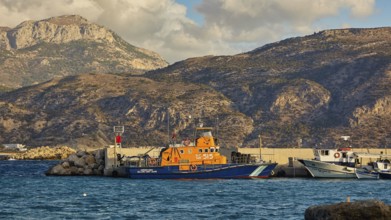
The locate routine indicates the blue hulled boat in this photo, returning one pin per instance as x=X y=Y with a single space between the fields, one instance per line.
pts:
x=198 y=159
x=228 y=171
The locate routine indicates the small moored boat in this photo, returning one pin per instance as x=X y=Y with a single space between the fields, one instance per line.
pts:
x=372 y=170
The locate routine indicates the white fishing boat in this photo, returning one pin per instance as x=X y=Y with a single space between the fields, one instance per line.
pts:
x=344 y=163
x=320 y=169
x=372 y=170
x=331 y=163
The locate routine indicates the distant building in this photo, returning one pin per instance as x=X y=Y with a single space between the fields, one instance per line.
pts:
x=19 y=147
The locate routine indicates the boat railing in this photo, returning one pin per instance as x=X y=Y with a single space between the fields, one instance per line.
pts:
x=153 y=162
x=203 y=166
x=209 y=166
x=239 y=158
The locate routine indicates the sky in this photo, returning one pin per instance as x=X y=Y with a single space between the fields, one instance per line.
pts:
x=180 y=29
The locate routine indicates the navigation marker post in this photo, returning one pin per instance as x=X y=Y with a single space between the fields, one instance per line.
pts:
x=118 y=131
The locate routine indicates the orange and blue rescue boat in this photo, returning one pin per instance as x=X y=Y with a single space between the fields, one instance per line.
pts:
x=199 y=159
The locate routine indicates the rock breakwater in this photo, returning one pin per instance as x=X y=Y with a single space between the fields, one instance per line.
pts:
x=45 y=153
x=81 y=163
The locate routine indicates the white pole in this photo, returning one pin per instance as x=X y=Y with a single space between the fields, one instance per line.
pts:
x=168 y=126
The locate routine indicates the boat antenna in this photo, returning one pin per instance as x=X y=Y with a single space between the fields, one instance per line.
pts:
x=201 y=117
x=346 y=139
x=217 y=126
x=168 y=126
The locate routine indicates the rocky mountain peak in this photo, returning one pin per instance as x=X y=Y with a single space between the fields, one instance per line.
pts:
x=37 y=51
x=57 y=30
x=68 y=20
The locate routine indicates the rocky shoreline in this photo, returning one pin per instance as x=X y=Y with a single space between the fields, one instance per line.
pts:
x=81 y=163
x=44 y=153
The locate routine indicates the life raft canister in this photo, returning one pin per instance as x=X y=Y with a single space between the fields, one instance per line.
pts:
x=152 y=161
x=186 y=142
x=193 y=167
x=337 y=155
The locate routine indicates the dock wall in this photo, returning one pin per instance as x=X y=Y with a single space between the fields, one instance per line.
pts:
x=281 y=155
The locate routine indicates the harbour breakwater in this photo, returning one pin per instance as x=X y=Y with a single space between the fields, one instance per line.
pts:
x=81 y=163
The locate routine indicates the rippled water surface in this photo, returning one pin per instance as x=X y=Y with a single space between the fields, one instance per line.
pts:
x=26 y=193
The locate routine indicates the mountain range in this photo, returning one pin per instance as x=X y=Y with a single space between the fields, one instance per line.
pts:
x=302 y=91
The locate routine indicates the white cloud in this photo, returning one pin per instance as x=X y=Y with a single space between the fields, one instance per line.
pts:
x=256 y=22
x=230 y=26
x=13 y=12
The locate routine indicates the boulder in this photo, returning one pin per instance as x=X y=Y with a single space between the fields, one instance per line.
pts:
x=97 y=172
x=100 y=162
x=365 y=209
x=89 y=159
x=57 y=170
x=95 y=166
x=101 y=167
x=65 y=164
x=74 y=171
x=87 y=172
x=72 y=158
x=80 y=162
x=81 y=153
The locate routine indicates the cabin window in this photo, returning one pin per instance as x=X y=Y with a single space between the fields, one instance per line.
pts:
x=181 y=151
x=324 y=152
x=217 y=149
x=212 y=150
x=206 y=134
x=344 y=155
x=190 y=151
x=199 y=150
x=385 y=166
x=206 y=150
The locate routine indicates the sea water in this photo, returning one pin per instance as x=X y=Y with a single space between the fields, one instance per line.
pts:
x=26 y=193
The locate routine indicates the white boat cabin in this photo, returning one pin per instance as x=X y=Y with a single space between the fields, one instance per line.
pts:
x=340 y=155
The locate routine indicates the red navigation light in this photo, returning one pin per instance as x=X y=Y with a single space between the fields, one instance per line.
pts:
x=118 y=139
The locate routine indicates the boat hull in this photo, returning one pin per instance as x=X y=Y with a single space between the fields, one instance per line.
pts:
x=228 y=171
x=319 y=169
x=365 y=174
x=385 y=175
